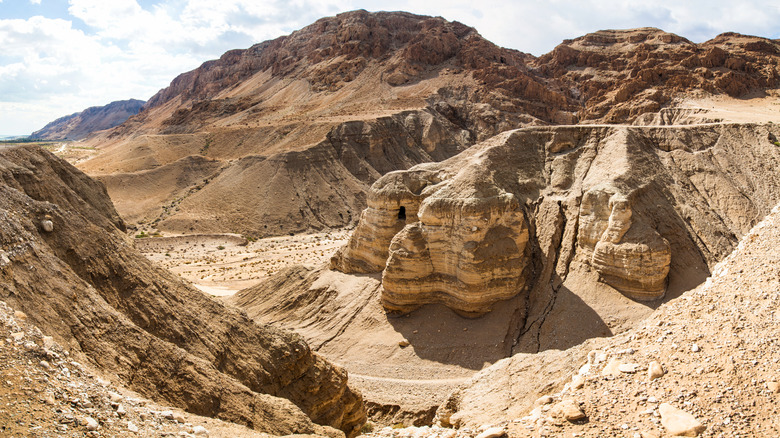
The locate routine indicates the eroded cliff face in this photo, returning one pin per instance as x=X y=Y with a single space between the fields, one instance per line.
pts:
x=518 y=213
x=65 y=263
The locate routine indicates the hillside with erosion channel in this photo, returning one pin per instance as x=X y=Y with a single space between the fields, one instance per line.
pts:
x=384 y=224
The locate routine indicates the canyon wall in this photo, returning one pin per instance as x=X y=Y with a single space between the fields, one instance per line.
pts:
x=632 y=204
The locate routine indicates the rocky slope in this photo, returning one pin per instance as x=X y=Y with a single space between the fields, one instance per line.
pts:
x=637 y=209
x=78 y=126
x=65 y=263
x=312 y=112
x=704 y=364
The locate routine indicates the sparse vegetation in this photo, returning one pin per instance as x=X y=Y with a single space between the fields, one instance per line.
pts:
x=367 y=428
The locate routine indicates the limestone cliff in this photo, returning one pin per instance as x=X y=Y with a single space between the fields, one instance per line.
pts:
x=65 y=263
x=518 y=212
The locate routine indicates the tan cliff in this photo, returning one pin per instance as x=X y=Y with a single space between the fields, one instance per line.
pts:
x=632 y=205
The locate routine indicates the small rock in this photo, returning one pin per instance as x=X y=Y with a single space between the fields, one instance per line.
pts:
x=143 y=416
x=91 y=424
x=21 y=316
x=45 y=365
x=612 y=368
x=178 y=417
x=544 y=400
x=773 y=386
x=121 y=411
x=628 y=368
x=168 y=415
x=577 y=382
x=569 y=410
x=200 y=431
x=132 y=427
x=115 y=397
x=403 y=344
x=655 y=370
x=47 y=225
x=648 y=434
x=695 y=348
x=678 y=422
x=493 y=432
x=18 y=336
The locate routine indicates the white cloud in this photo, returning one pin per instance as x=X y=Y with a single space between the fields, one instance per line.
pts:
x=35 y=2
x=51 y=68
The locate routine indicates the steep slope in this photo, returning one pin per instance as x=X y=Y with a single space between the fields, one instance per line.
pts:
x=539 y=210
x=712 y=352
x=618 y=75
x=65 y=263
x=79 y=125
x=554 y=235
x=356 y=94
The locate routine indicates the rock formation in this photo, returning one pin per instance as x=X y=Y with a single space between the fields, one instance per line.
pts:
x=714 y=337
x=84 y=284
x=78 y=126
x=325 y=111
x=522 y=209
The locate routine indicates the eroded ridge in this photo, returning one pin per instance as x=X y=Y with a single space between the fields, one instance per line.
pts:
x=466 y=232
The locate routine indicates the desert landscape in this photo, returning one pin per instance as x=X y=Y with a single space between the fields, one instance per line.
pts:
x=383 y=224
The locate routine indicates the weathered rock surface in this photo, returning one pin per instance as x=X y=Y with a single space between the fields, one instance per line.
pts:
x=84 y=284
x=722 y=390
x=634 y=205
x=331 y=107
x=79 y=125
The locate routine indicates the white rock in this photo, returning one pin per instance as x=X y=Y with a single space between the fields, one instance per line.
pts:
x=47 y=225
x=695 y=348
x=121 y=411
x=178 y=417
x=132 y=427
x=91 y=424
x=200 y=431
x=655 y=370
x=115 y=397
x=678 y=422
x=577 y=382
x=628 y=368
x=168 y=415
x=493 y=432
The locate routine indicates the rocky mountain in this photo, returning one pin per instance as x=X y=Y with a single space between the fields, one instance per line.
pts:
x=65 y=262
x=315 y=117
x=78 y=126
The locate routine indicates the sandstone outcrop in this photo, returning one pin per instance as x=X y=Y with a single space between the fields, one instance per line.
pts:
x=526 y=207
x=688 y=394
x=84 y=284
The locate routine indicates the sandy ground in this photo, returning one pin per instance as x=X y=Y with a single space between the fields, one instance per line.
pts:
x=223 y=264
x=761 y=108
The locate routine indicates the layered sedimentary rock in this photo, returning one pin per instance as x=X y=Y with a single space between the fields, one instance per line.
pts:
x=628 y=255
x=66 y=264
x=410 y=88
x=625 y=209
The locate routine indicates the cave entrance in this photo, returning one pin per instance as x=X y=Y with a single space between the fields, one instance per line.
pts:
x=402 y=213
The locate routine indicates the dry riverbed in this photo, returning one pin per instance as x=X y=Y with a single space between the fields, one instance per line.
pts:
x=221 y=264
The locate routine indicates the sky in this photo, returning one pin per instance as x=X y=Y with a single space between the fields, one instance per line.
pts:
x=58 y=57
